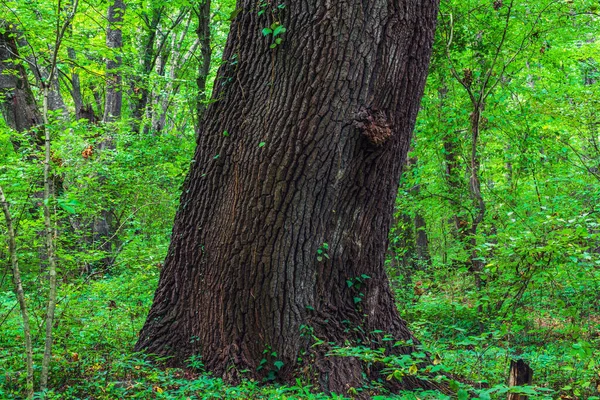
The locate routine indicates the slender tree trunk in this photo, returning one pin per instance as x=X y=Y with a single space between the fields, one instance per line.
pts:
x=411 y=236
x=475 y=192
x=203 y=33
x=316 y=138
x=479 y=208
x=14 y=261
x=49 y=231
x=139 y=84
x=406 y=246
x=179 y=61
x=421 y=240
x=48 y=197
x=103 y=226
x=114 y=41
x=80 y=112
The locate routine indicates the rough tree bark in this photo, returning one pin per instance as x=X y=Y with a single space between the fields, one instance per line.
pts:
x=114 y=41
x=300 y=152
x=17 y=102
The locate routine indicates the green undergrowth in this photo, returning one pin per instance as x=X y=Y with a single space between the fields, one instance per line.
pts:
x=93 y=359
x=99 y=319
x=562 y=347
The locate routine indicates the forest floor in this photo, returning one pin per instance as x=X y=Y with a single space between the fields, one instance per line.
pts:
x=99 y=319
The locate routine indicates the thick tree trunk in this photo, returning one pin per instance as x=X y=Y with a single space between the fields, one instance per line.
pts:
x=299 y=156
x=114 y=41
x=17 y=103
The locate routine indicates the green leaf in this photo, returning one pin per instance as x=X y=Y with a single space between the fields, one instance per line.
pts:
x=67 y=206
x=453 y=385
x=279 y=30
x=462 y=394
x=267 y=31
x=278 y=364
x=262 y=144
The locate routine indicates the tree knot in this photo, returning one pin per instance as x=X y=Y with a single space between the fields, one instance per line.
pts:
x=373 y=124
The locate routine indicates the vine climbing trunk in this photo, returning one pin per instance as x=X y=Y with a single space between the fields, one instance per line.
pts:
x=281 y=234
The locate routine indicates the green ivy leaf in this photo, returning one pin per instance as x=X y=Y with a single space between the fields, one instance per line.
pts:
x=279 y=30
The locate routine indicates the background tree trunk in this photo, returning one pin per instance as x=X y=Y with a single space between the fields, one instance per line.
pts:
x=520 y=374
x=18 y=288
x=203 y=33
x=139 y=84
x=80 y=112
x=55 y=99
x=18 y=105
x=114 y=41
x=310 y=165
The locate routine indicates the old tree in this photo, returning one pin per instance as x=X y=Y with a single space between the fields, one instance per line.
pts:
x=282 y=228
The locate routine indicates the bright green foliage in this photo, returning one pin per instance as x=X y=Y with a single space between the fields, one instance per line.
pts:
x=540 y=159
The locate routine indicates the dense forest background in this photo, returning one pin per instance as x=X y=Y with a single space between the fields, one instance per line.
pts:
x=495 y=250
